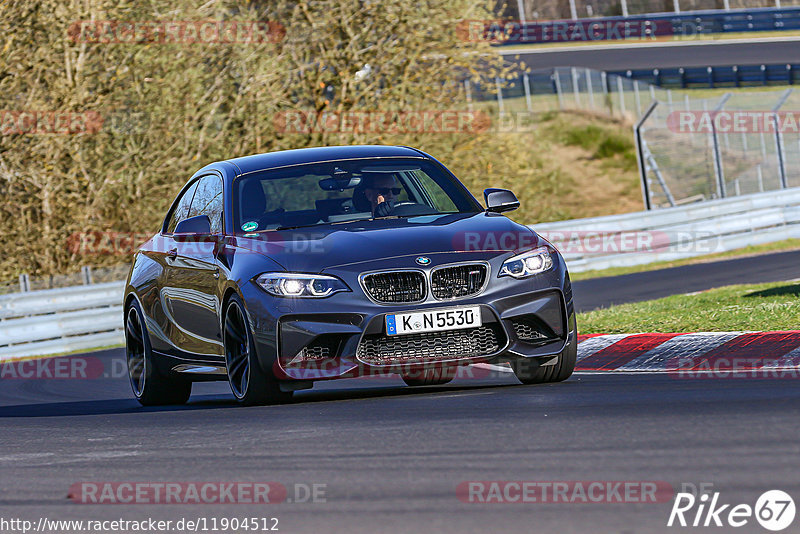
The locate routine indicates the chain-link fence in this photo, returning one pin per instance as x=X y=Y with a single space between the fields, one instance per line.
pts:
x=734 y=144
x=690 y=149
x=570 y=88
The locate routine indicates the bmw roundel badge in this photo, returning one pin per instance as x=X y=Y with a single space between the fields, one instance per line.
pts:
x=423 y=260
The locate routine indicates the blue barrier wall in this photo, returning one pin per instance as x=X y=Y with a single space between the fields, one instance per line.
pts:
x=711 y=77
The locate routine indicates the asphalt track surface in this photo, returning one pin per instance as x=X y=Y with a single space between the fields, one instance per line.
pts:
x=391 y=457
x=603 y=292
x=663 y=55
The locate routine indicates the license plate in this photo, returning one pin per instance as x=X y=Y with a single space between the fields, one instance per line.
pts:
x=433 y=320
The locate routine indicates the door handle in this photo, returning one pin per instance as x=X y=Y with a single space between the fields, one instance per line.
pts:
x=173 y=253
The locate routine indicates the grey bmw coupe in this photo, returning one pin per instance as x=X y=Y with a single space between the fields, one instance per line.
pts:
x=278 y=270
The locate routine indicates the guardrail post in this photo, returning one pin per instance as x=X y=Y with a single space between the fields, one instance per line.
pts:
x=86 y=275
x=24 y=283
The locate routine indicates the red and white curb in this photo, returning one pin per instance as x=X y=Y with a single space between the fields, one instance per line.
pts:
x=699 y=351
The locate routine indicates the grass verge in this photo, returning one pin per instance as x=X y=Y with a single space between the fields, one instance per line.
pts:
x=755 y=250
x=757 y=307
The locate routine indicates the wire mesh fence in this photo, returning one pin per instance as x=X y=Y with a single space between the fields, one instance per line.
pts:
x=690 y=149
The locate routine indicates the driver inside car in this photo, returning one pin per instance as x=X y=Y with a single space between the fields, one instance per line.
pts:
x=382 y=191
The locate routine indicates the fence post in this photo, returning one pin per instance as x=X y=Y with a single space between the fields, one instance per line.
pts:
x=573 y=11
x=24 y=283
x=559 y=92
x=638 y=98
x=641 y=160
x=779 y=138
x=499 y=87
x=527 y=84
x=621 y=92
x=676 y=4
x=589 y=88
x=718 y=169
x=606 y=101
x=468 y=90
x=575 y=90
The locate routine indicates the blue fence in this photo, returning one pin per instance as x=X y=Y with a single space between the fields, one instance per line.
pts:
x=711 y=77
x=645 y=26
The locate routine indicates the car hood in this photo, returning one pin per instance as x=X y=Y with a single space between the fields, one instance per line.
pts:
x=318 y=248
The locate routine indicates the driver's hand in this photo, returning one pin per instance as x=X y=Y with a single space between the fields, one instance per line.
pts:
x=384 y=207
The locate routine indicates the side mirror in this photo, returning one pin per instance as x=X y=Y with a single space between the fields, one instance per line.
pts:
x=500 y=200
x=193 y=227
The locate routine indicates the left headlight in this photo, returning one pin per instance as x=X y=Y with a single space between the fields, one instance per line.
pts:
x=300 y=285
x=527 y=264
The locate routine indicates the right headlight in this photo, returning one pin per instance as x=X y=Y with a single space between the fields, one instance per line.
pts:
x=300 y=285
x=527 y=264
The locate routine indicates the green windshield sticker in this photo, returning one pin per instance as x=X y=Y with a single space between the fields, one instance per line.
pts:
x=249 y=226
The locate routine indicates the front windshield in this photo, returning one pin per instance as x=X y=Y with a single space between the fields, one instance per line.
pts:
x=341 y=191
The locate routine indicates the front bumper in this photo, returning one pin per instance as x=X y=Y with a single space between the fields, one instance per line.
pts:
x=343 y=336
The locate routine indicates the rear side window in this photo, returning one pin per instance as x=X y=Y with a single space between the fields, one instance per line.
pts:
x=180 y=209
x=208 y=201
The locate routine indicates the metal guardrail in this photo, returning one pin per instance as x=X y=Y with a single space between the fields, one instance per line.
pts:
x=676 y=233
x=53 y=321
x=38 y=323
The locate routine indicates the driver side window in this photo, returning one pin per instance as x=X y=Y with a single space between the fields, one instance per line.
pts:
x=180 y=210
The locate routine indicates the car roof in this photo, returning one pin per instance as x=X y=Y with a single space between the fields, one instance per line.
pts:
x=283 y=158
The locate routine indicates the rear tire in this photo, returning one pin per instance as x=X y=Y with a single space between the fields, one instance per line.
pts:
x=527 y=374
x=150 y=386
x=249 y=383
x=435 y=376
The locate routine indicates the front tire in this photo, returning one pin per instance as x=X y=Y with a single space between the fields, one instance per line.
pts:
x=150 y=386
x=249 y=383
x=527 y=374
